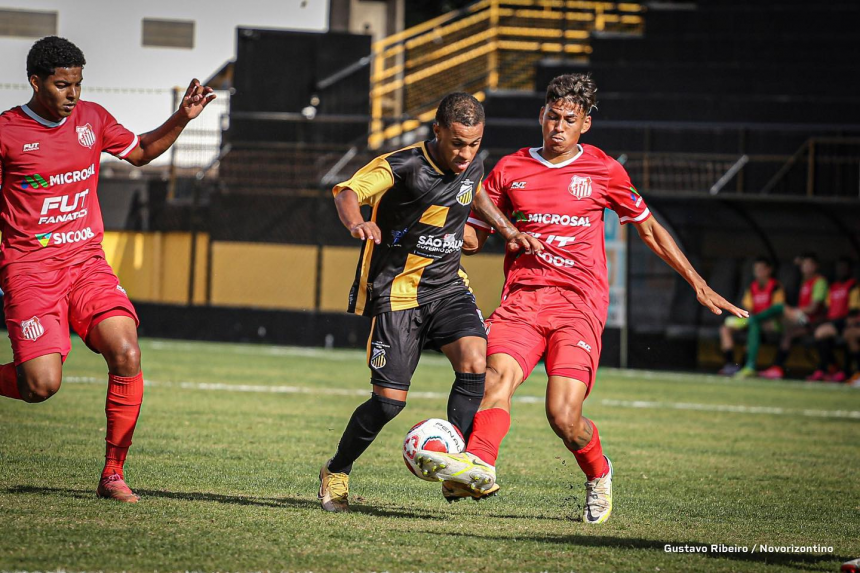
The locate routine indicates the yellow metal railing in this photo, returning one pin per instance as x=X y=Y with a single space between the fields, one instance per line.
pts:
x=492 y=44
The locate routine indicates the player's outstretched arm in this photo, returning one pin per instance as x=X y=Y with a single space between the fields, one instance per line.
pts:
x=349 y=211
x=159 y=140
x=473 y=240
x=660 y=241
x=497 y=220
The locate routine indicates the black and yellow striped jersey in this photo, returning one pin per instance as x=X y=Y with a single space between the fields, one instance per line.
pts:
x=421 y=212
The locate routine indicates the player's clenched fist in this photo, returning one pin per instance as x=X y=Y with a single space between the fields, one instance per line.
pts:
x=366 y=230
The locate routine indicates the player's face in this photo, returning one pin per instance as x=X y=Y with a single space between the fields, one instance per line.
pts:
x=563 y=122
x=808 y=267
x=58 y=94
x=762 y=272
x=457 y=146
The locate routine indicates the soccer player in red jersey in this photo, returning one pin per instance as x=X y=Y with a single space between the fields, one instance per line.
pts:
x=554 y=303
x=52 y=266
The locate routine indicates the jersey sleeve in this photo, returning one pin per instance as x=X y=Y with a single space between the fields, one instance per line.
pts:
x=370 y=182
x=820 y=291
x=778 y=296
x=496 y=189
x=623 y=198
x=854 y=300
x=116 y=139
x=747 y=301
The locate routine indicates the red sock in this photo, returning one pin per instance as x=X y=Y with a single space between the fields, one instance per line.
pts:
x=9 y=381
x=590 y=458
x=122 y=408
x=488 y=430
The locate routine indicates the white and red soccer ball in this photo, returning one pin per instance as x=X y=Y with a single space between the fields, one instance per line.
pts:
x=435 y=435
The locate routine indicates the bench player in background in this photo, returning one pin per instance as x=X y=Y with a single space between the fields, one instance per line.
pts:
x=764 y=292
x=408 y=279
x=554 y=302
x=52 y=267
x=843 y=308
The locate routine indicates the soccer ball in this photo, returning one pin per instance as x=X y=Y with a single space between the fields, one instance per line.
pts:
x=435 y=435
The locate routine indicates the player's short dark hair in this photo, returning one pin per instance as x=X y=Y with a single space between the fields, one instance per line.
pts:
x=53 y=52
x=460 y=107
x=810 y=255
x=579 y=89
x=764 y=259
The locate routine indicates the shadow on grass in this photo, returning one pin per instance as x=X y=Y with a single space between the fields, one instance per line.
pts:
x=278 y=502
x=800 y=561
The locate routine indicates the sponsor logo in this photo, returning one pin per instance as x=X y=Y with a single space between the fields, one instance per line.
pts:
x=122 y=290
x=518 y=216
x=518 y=185
x=397 y=235
x=377 y=358
x=445 y=244
x=31 y=147
x=635 y=196
x=580 y=187
x=584 y=345
x=554 y=219
x=36 y=180
x=560 y=241
x=464 y=195
x=32 y=329
x=70 y=237
x=70 y=207
x=555 y=261
x=86 y=137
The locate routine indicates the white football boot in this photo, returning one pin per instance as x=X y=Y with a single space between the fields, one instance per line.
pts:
x=464 y=468
x=598 y=498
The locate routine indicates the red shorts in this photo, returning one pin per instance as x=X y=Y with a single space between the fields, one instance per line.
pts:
x=41 y=304
x=552 y=322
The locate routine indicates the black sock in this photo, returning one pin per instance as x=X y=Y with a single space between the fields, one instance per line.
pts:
x=729 y=357
x=363 y=427
x=781 y=357
x=466 y=395
x=825 y=353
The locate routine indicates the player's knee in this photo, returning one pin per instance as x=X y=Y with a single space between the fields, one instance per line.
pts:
x=40 y=386
x=124 y=358
x=387 y=408
x=566 y=424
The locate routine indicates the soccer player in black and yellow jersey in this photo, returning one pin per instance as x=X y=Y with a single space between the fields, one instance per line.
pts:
x=409 y=279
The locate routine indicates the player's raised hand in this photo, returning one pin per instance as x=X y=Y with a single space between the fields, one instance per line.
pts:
x=366 y=231
x=714 y=302
x=525 y=242
x=196 y=98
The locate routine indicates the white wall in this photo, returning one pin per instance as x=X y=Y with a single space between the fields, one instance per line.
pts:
x=109 y=33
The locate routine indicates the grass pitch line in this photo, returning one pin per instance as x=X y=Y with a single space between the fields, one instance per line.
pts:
x=638 y=404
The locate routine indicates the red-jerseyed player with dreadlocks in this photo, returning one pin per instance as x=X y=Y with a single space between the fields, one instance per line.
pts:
x=555 y=301
x=52 y=266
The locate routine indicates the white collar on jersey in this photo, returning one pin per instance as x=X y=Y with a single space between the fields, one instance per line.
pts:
x=41 y=119
x=535 y=153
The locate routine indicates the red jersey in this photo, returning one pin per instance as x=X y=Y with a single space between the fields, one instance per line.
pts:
x=762 y=298
x=838 y=299
x=563 y=205
x=49 y=212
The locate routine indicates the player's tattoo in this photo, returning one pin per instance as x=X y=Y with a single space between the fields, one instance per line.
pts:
x=586 y=431
x=491 y=214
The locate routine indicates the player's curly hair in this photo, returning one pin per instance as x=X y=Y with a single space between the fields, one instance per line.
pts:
x=460 y=107
x=53 y=52
x=578 y=89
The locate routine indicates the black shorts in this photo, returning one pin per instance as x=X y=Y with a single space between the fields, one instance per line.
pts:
x=397 y=337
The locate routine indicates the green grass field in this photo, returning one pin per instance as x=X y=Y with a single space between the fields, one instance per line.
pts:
x=231 y=437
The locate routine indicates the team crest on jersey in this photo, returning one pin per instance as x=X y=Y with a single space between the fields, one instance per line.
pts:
x=464 y=196
x=86 y=137
x=377 y=359
x=580 y=187
x=32 y=329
